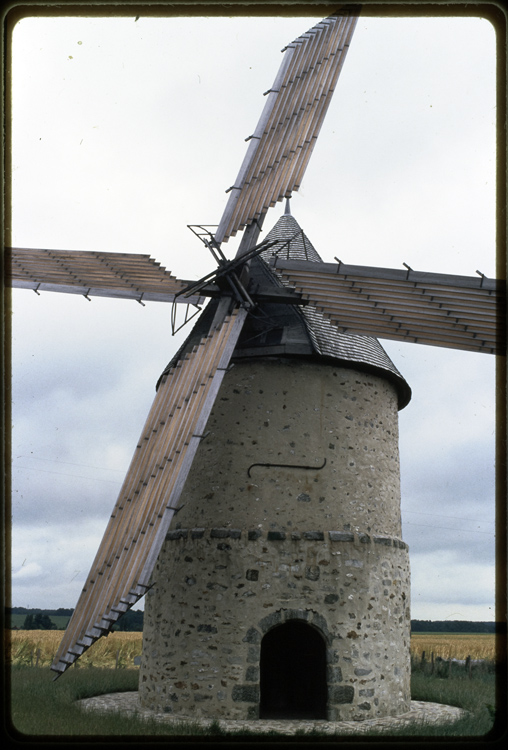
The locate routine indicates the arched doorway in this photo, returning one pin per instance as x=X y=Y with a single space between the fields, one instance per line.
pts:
x=293 y=673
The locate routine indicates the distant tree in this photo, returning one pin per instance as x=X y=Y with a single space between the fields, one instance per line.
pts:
x=28 y=624
x=131 y=621
x=39 y=621
x=47 y=623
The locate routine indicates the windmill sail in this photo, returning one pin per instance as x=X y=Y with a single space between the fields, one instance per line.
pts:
x=282 y=144
x=99 y=274
x=120 y=574
x=458 y=312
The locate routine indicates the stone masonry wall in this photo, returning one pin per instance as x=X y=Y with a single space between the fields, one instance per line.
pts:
x=256 y=545
x=225 y=588
x=298 y=413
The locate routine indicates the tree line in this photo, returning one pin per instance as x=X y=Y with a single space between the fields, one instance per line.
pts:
x=132 y=621
x=40 y=619
x=453 y=626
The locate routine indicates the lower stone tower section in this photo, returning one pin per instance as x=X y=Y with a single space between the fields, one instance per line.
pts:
x=282 y=589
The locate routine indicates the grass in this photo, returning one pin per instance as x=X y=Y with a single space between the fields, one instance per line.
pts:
x=476 y=694
x=41 y=707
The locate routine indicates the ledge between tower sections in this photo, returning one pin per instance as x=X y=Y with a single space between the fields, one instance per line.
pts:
x=276 y=536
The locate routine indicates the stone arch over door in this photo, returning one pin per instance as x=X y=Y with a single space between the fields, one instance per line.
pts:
x=293 y=672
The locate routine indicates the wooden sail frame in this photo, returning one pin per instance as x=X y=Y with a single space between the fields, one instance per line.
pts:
x=458 y=312
x=93 y=274
x=148 y=499
x=282 y=143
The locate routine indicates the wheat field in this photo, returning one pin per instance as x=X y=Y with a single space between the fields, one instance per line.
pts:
x=38 y=647
x=454 y=645
x=118 y=649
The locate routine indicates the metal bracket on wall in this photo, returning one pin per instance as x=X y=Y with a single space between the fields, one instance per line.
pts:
x=288 y=466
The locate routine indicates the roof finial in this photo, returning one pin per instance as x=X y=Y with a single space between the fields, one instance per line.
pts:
x=288 y=209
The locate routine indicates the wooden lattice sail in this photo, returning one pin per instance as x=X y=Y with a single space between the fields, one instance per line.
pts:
x=458 y=312
x=282 y=143
x=93 y=274
x=149 y=496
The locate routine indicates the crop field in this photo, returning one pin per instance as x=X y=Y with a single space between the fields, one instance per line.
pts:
x=454 y=646
x=38 y=647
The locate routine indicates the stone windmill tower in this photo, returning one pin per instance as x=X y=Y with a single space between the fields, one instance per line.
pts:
x=282 y=588
x=261 y=509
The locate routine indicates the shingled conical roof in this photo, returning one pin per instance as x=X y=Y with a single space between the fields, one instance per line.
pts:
x=322 y=337
x=275 y=329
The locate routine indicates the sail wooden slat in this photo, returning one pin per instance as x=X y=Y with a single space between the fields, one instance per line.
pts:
x=410 y=307
x=149 y=495
x=309 y=105
x=281 y=138
x=170 y=448
x=108 y=556
x=442 y=332
x=438 y=309
x=420 y=287
x=388 y=275
x=394 y=307
x=118 y=275
x=292 y=116
x=455 y=300
x=116 y=261
x=145 y=467
x=409 y=325
x=76 y=263
x=481 y=309
x=306 y=132
x=189 y=382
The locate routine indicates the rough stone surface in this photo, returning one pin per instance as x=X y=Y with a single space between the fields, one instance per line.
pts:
x=419 y=712
x=256 y=546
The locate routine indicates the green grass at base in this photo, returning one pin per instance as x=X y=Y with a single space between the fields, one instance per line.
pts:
x=42 y=707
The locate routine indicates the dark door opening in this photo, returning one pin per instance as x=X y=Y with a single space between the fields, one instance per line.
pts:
x=293 y=673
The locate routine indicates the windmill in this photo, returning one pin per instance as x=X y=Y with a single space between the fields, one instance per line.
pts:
x=98 y=274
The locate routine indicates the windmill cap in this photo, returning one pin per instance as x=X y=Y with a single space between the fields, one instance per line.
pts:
x=351 y=350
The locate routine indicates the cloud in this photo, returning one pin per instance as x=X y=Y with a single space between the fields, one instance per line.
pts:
x=445 y=579
x=49 y=569
x=27 y=572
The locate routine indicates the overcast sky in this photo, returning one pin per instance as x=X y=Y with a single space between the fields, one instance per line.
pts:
x=127 y=130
